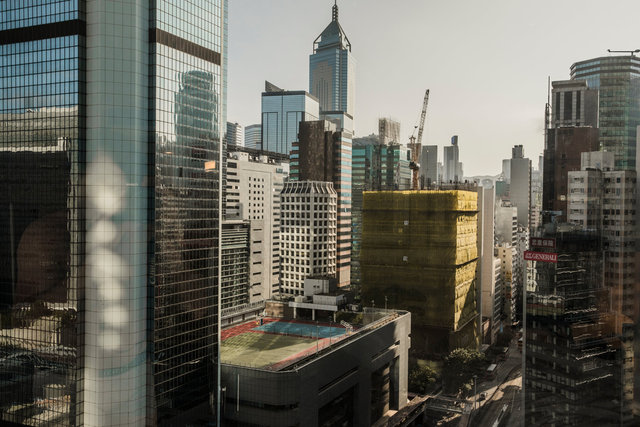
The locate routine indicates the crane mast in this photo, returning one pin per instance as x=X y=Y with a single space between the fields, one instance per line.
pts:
x=415 y=146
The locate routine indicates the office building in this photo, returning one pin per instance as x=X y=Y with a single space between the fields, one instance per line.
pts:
x=617 y=80
x=308 y=233
x=419 y=253
x=574 y=103
x=254 y=183
x=452 y=166
x=489 y=299
x=561 y=156
x=429 y=166
x=253 y=136
x=323 y=153
x=110 y=211
x=326 y=374
x=234 y=263
x=282 y=112
x=388 y=131
x=332 y=70
x=234 y=135
x=375 y=167
x=578 y=353
x=520 y=186
x=604 y=199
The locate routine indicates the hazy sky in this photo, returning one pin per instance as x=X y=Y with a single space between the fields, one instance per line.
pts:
x=485 y=62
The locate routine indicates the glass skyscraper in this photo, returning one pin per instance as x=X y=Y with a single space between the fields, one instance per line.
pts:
x=618 y=80
x=110 y=210
x=332 y=70
x=282 y=112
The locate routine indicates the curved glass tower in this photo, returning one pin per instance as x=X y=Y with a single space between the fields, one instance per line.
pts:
x=618 y=80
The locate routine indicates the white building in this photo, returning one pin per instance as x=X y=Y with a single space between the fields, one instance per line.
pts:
x=253 y=191
x=308 y=233
x=601 y=198
x=486 y=270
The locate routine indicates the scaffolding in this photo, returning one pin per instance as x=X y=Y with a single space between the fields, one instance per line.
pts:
x=419 y=249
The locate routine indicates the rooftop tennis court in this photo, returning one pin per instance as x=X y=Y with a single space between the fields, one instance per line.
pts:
x=274 y=344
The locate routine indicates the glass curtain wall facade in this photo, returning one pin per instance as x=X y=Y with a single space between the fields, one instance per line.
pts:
x=618 y=80
x=332 y=69
x=282 y=113
x=109 y=210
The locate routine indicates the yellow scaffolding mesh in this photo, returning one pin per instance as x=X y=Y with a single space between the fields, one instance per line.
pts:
x=419 y=249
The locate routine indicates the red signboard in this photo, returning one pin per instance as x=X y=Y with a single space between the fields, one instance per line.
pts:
x=540 y=256
x=539 y=242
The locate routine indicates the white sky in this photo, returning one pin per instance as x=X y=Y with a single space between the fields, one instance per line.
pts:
x=485 y=62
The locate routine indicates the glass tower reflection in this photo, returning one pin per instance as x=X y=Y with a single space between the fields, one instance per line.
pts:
x=109 y=211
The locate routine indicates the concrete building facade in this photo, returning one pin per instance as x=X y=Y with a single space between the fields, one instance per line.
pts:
x=354 y=381
x=254 y=184
x=308 y=233
x=324 y=153
x=520 y=185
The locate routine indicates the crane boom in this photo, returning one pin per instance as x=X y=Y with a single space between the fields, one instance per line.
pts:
x=415 y=146
x=423 y=116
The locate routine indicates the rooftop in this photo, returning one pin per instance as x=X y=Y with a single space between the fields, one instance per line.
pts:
x=276 y=344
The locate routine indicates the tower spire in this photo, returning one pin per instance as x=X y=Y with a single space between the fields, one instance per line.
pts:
x=335 y=12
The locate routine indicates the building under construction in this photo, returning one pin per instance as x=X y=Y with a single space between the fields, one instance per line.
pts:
x=419 y=253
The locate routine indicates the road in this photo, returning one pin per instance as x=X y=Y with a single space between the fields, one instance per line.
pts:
x=504 y=389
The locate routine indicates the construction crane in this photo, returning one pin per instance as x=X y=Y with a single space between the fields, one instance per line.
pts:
x=415 y=146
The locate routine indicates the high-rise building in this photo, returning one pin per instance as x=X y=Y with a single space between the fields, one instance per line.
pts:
x=308 y=233
x=429 y=165
x=520 y=187
x=282 y=112
x=452 y=165
x=573 y=104
x=235 y=135
x=254 y=184
x=489 y=289
x=110 y=153
x=323 y=153
x=253 y=136
x=617 y=79
x=235 y=268
x=562 y=155
x=578 y=353
x=375 y=167
x=419 y=253
x=605 y=199
x=332 y=70
x=388 y=131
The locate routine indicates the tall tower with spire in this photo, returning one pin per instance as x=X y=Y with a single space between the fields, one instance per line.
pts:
x=332 y=72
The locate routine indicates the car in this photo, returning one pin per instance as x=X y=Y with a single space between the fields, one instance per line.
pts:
x=482 y=397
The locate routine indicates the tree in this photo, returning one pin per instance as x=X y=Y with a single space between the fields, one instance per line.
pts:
x=421 y=378
x=459 y=368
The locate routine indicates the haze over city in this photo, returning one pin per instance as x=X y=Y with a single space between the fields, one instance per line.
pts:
x=485 y=63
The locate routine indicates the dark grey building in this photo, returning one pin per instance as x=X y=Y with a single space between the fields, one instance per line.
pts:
x=352 y=381
x=110 y=150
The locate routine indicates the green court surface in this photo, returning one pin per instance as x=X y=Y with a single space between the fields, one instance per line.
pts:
x=261 y=350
